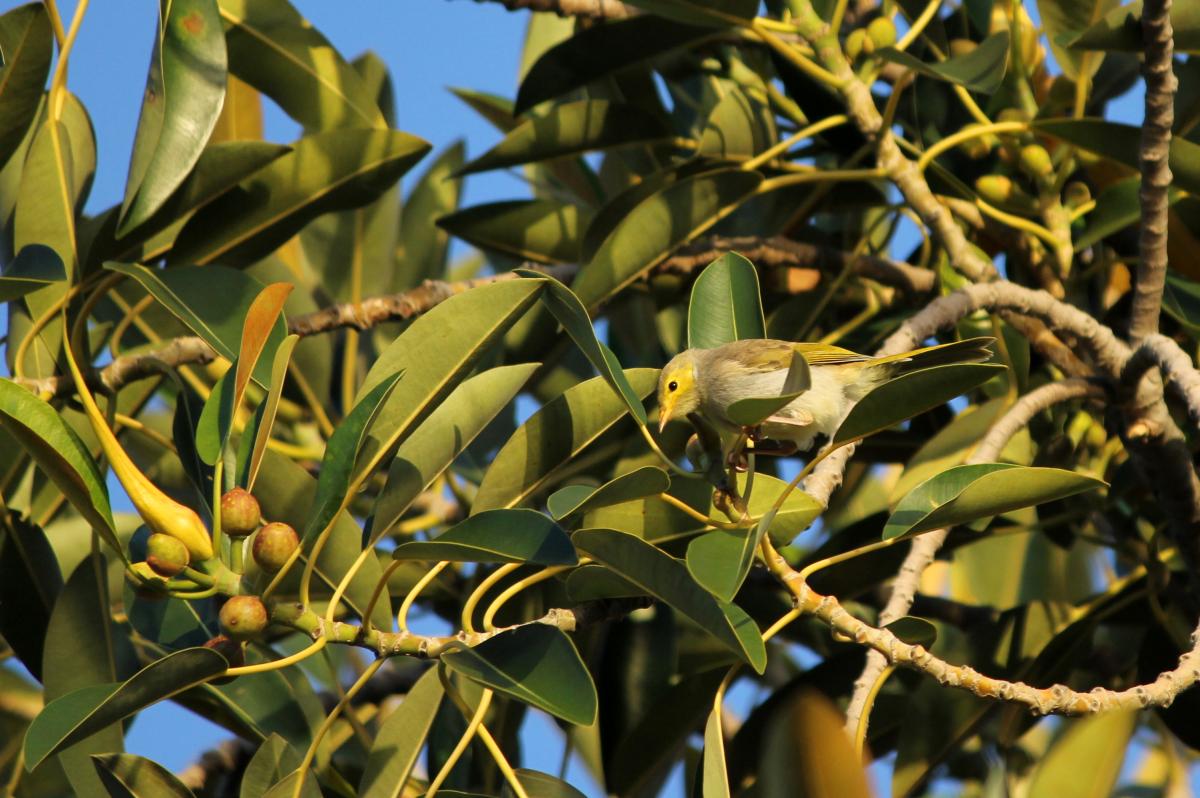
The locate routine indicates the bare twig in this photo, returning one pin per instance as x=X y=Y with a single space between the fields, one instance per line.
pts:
x=588 y=9
x=1156 y=172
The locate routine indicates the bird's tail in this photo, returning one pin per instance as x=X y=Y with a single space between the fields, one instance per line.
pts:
x=972 y=350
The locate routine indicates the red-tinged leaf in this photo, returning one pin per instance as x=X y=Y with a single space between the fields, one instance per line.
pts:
x=260 y=322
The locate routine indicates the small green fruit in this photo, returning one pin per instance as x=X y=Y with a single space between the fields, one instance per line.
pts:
x=273 y=545
x=1035 y=159
x=166 y=555
x=996 y=189
x=855 y=44
x=1076 y=194
x=240 y=513
x=243 y=617
x=882 y=32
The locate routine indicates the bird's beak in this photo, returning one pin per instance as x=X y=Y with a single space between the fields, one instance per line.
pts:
x=664 y=413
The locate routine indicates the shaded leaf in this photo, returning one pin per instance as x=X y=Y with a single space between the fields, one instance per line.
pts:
x=1120 y=143
x=642 y=482
x=1121 y=29
x=717 y=13
x=423 y=246
x=819 y=754
x=30 y=581
x=1117 y=208
x=970 y=492
x=542 y=230
x=571 y=129
x=273 y=760
x=401 y=738
x=656 y=225
x=1063 y=18
x=724 y=305
x=981 y=70
x=259 y=430
x=542 y=785
x=27 y=46
x=914 y=631
x=34 y=267
x=143 y=778
x=184 y=93
x=950 y=446
x=1086 y=760
x=910 y=395
x=714 y=779
x=667 y=579
x=501 y=536
x=534 y=663
x=216 y=419
x=558 y=431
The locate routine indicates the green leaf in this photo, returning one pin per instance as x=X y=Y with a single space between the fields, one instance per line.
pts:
x=558 y=431
x=914 y=631
x=572 y=315
x=656 y=225
x=141 y=777
x=401 y=738
x=81 y=713
x=717 y=13
x=601 y=50
x=1117 y=208
x=740 y=125
x=213 y=302
x=821 y=760
x=542 y=785
x=571 y=129
x=714 y=778
x=276 y=51
x=216 y=419
x=1181 y=301
x=1121 y=29
x=341 y=452
x=1121 y=142
x=333 y=170
x=273 y=760
x=183 y=98
x=495 y=109
x=949 y=447
x=1060 y=20
x=754 y=410
x=910 y=395
x=436 y=352
x=34 y=267
x=536 y=664
x=287 y=788
x=981 y=70
x=543 y=230
x=443 y=437
x=970 y=492
x=422 y=254
x=501 y=536
x=60 y=454
x=714 y=560
x=667 y=579
x=27 y=45
x=724 y=305
x=639 y=483
x=1086 y=760
x=30 y=582
x=258 y=432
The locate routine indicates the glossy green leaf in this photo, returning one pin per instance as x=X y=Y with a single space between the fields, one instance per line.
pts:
x=740 y=125
x=216 y=419
x=35 y=266
x=754 y=410
x=642 y=482
x=273 y=760
x=601 y=50
x=1062 y=19
x=725 y=305
x=1086 y=760
x=534 y=663
x=914 y=631
x=591 y=582
x=184 y=93
x=288 y=787
x=1120 y=143
x=542 y=785
x=141 y=777
x=714 y=560
x=717 y=13
x=910 y=395
x=1121 y=29
x=401 y=738
x=542 y=230
x=980 y=70
x=656 y=225
x=436 y=352
x=30 y=581
x=80 y=713
x=970 y=492
x=333 y=170
x=500 y=536
x=668 y=579
x=571 y=129
x=949 y=447
x=571 y=314
x=443 y=437
x=341 y=453
x=279 y=53
x=259 y=430
x=495 y=109
x=1117 y=208
x=422 y=253
x=714 y=778
x=60 y=454
x=27 y=46
x=558 y=431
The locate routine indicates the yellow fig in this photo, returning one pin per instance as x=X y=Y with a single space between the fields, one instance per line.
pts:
x=160 y=512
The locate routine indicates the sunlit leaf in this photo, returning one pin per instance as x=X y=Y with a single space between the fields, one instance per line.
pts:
x=1086 y=760
x=273 y=760
x=500 y=536
x=981 y=70
x=725 y=304
x=542 y=230
x=1121 y=29
x=142 y=777
x=400 y=739
x=645 y=481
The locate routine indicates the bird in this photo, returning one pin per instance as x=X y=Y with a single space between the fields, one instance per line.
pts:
x=707 y=381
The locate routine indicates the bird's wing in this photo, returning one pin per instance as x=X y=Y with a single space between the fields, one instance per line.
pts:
x=826 y=355
x=756 y=355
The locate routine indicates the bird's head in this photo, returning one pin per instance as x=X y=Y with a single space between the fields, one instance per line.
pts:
x=678 y=388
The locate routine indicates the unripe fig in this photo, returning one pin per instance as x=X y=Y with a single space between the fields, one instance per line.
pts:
x=882 y=32
x=273 y=545
x=961 y=47
x=1036 y=161
x=240 y=513
x=855 y=44
x=243 y=617
x=231 y=650
x=995 y=188
x=1076 y=194
x=166 y=555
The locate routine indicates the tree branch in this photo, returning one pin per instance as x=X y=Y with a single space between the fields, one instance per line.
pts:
x=588 y=9
x=1153 y=156
x=925 y=547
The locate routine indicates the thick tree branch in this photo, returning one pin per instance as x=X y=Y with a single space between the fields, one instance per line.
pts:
x=1159 y=350
x=588 y=9
x=925 y=547
x=1153 y=155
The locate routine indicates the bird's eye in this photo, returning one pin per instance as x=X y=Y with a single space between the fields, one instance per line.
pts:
x=672 y=386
